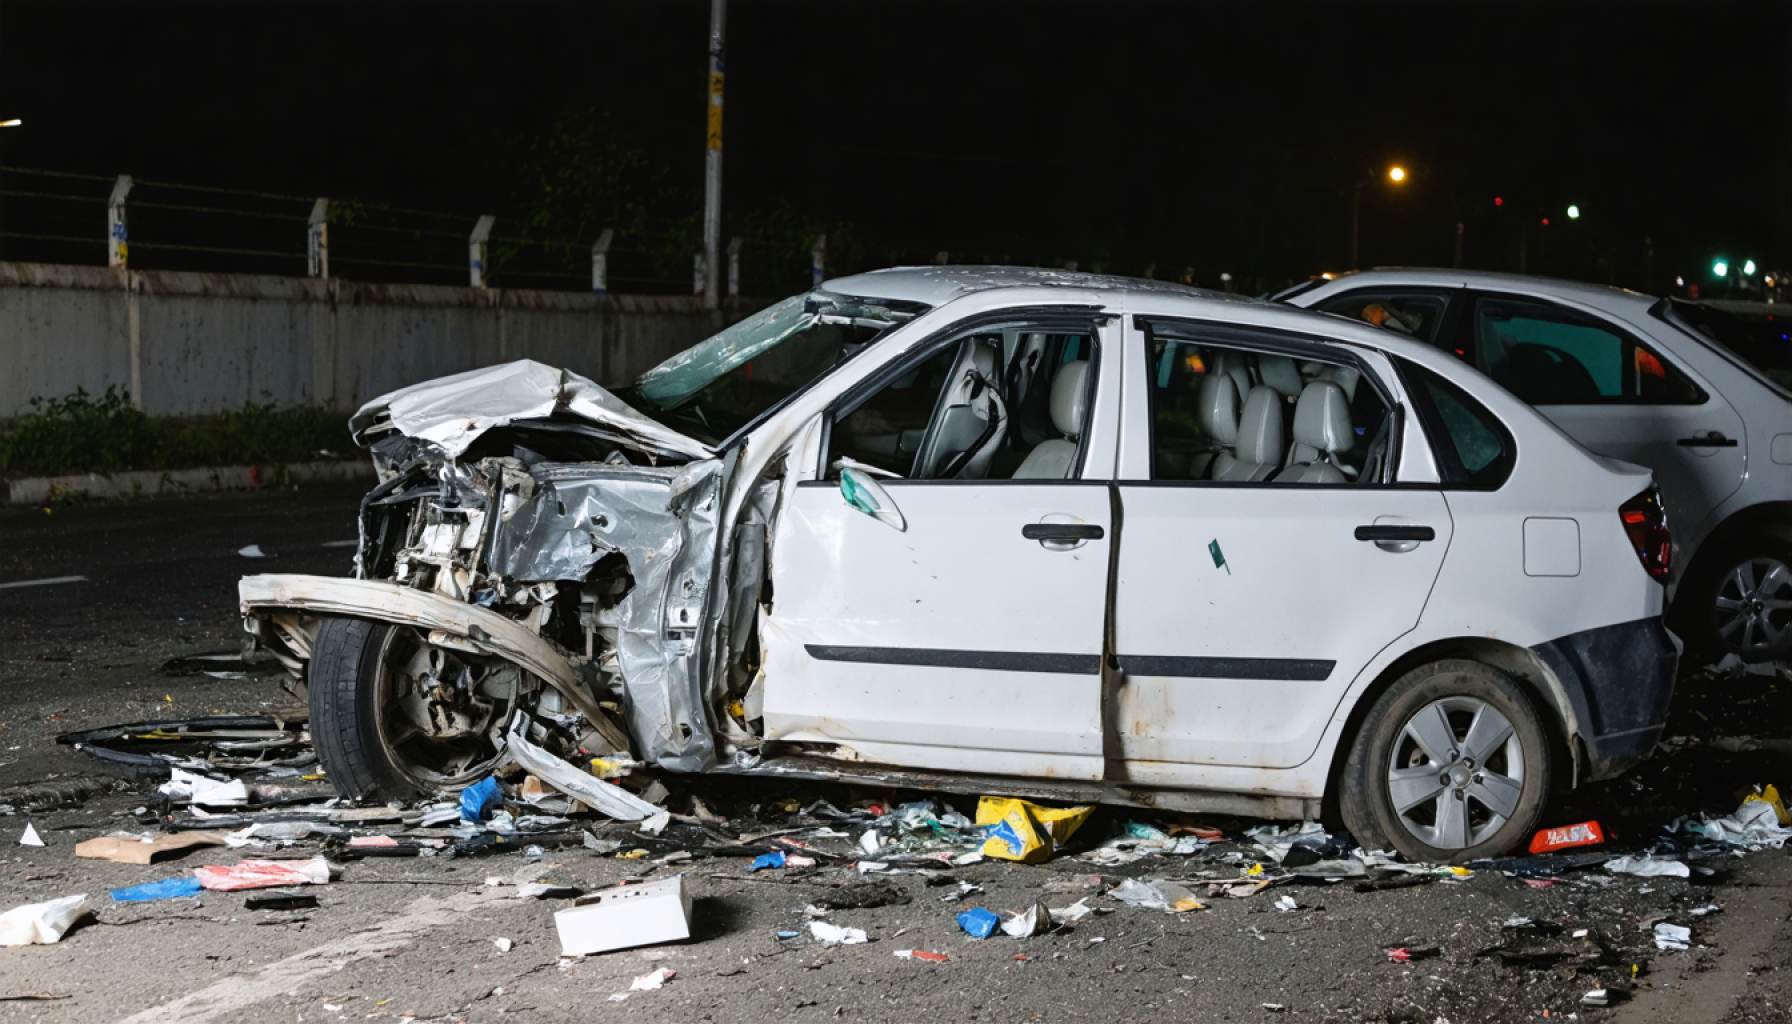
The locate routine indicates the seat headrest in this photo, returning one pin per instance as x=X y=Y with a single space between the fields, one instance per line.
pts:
x=1232 y=365
x=1260 y=427
x=1322 y=418
x=1070 y=398
x=1217 y=403
x=1280 y=373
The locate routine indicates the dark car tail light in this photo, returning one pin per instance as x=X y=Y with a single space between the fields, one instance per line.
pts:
x=1646 y=522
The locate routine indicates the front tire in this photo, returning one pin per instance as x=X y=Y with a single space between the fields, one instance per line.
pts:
x=1452 y=763
x=378 y=721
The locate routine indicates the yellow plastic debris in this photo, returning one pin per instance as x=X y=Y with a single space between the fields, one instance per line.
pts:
x=1461 y=872
x=1025 y=831
x=635 y=854
x=604 y=768
x=738 y=709
x=1770 y=795
x=1254 y=871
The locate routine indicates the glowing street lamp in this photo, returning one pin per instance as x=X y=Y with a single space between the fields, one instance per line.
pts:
x=1748 y=268
x=1720 y=267
x=1573 y=211
x=1397 y=175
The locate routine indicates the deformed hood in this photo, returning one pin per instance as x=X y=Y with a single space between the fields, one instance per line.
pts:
x=451 y=412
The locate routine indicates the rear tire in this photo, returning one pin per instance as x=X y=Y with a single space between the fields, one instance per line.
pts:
x=1452 y=763
x=1718 y=595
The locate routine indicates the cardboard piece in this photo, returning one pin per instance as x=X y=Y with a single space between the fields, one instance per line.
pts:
x=625 y=917
x=129 y=849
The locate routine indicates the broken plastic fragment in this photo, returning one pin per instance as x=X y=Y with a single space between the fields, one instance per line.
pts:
x=1672 y=936
x=978 y=922
x=923 y=955
x=42 y=923
x=1648 y=867
x=30 y=838
x=835 y=935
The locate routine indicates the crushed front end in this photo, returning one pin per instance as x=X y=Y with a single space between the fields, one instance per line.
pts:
x=533 y=547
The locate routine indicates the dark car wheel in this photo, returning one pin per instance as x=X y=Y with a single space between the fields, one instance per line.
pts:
x=1740 y=600
x=1452 y=763
x=395 y=718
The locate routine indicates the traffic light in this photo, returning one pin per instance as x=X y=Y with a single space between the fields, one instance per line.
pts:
x=1720 y=267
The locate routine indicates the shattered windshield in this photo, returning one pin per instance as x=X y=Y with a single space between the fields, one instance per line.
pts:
x=721 y=384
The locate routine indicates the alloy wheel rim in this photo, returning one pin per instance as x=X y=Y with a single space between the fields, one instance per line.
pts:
x=427 y=762
x=1754 y=605
x=1455 y=773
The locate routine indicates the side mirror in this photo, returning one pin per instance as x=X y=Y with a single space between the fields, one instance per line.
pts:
x=868 y=496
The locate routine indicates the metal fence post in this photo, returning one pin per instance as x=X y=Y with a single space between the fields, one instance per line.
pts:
x=117 y=241
x=317 y=240
x=734 y=267
x=600 y=262
x=698 y=274
x=818 y=260
x=482 y=231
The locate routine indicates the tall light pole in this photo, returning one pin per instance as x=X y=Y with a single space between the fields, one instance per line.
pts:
x=712 y=162
x=11 y=122
x=1396 y=176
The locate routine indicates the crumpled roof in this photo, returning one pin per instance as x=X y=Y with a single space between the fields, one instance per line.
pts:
x=452 y=412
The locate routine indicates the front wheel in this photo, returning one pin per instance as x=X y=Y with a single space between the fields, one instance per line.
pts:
x=395 y=717
x=1452 y=763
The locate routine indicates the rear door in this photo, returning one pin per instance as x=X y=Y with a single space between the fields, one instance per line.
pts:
x=1244 y=610
x=960 y=628
x=1615 y=394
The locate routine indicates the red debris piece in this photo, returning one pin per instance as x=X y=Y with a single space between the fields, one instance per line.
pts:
x=1549 y=840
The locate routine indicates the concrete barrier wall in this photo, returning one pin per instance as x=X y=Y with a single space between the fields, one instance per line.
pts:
x=185 y=343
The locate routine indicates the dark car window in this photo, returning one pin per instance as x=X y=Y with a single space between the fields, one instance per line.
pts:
x=1474 y=448
x=1415 y=314
x=1550 y=355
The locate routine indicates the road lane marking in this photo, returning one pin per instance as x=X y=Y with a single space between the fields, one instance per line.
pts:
x=48 y=581
x=227 y=998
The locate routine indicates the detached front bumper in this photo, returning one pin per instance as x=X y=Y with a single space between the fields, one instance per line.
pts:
x=1619 y=680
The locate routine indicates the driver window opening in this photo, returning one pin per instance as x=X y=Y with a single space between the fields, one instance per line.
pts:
x=995 y=405
x=1233 y=415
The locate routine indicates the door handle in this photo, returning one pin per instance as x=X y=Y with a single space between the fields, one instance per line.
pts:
x=1392 y=532
x=1709 y=439
x=1061 y=531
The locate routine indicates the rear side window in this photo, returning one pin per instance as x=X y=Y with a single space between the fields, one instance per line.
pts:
x=1414 y=314
x=1548 y=355
x=1474 y=449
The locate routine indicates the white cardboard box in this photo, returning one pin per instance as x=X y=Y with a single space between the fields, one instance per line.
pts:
x=627 y=916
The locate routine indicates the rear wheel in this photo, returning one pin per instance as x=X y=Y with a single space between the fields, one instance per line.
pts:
x=1452 y=763
x=1740 y=601
x=395 y=717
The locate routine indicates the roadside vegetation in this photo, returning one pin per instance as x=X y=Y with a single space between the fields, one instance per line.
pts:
x=83 y=433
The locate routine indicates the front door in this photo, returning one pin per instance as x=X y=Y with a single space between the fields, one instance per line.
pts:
x=955 y=621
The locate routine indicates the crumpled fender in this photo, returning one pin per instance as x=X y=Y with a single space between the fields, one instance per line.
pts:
x=481 y=628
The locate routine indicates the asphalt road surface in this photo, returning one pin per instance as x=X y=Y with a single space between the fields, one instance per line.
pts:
x=413 y=938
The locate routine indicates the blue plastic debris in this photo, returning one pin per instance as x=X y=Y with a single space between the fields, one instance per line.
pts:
x=775 y=859
x=978 y=922
x=788 y=935
x=166 y=889
x=478 y=801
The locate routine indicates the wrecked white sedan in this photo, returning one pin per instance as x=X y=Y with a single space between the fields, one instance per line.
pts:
x=994 y=530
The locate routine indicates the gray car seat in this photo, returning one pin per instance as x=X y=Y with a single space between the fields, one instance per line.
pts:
x=1052 y=459
x=974 y=421
x=1217 y=405
x=1260 y=447
x=1321 y=426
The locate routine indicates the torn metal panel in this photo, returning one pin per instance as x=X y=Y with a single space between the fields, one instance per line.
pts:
x=488 y=631
x=452 y=412
x=593 y=792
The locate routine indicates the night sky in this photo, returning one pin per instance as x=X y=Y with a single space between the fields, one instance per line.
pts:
x=1214 y=136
